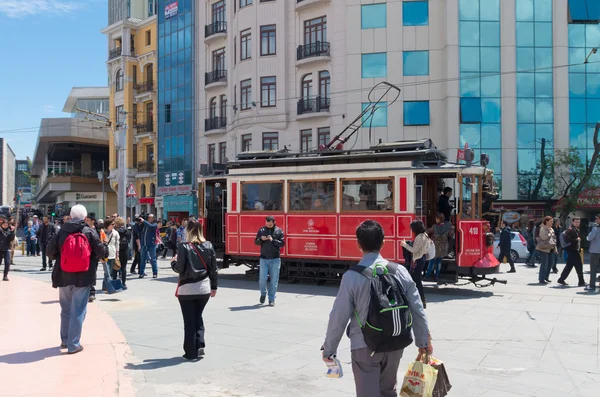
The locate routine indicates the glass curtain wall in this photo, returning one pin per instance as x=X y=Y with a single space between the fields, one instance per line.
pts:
x=535 y=111
x=480 y=111
x=175 y=91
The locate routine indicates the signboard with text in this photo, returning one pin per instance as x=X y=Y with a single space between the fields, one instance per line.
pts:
x=175 y=189
x=171 y=10
x=472 y=243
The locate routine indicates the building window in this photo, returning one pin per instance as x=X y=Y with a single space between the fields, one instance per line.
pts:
x=373 y=16
x=246 y=142
x=218 y=59
x=167 y=113
x=245 y=94
x=134 y=74
x=152 y=4
x=235 y=50
x=416 y=63
x=584 y=11
x=223 y=109
x=234 y=99
x=218 y=12
x=148 y=37
x=267 y=40
x=245 y=45
x=307 y=85
x=315 y=30
x=470 y=110
x=119 y=81
x=374 y=65
x=324 y=84
x=270 y=141
x=323 y=135
x=222 y=152
x=305 y=141
x=244 y=3
x=268 y=95
x=415 y=13
x=211 y=153
x=212 y=108
x=416 y=113
x=378 y=118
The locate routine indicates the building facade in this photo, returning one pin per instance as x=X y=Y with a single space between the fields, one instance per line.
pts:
x=176 y=103
x=132 y=71
x=487 y=74
x=7 y=174
x=70 y=161
x=23 y=181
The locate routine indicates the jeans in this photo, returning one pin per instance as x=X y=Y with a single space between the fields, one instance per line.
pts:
x=193 y=324
x=30 y=246
x=435 y=263
x=43 y=246
x=5 y=255
x=594 y=268
x=545 y=266
x=573 y=261
x=269 y=267
x=148 y=251
x=533 y=254
x=106 y=284
x=73 y=307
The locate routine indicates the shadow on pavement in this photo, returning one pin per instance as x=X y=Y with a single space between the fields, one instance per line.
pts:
x=156 y=363
x=30 y=357
x=49 y=302
x=243 y=308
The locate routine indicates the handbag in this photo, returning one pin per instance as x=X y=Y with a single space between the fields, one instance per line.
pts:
x=116 y=264
x=442 y=382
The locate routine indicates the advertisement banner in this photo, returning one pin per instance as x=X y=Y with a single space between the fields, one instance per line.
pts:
x=171 y=10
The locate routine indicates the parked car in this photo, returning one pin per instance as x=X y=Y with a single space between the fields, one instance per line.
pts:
x=518 y=246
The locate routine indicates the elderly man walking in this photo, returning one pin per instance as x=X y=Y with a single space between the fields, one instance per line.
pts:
x=76 y=248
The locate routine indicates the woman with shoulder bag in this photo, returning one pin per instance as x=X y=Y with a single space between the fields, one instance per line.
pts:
x=419 y=251
x=546 y=247
x=196 y=264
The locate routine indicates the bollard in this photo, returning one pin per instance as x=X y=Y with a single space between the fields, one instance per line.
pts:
x=581 y=254
x=22 y=247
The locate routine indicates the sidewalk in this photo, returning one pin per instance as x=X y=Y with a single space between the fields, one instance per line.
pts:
x=31 y=362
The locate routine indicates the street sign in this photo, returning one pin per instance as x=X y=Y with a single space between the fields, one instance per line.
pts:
x=131 y=202
x=131 y=191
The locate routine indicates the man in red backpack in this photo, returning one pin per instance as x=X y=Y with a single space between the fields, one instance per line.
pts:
x=76 y=248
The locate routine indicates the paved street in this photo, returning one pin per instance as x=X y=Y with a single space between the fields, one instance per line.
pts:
x=501 y=341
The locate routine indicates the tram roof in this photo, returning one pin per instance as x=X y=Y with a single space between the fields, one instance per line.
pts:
x=420 y=152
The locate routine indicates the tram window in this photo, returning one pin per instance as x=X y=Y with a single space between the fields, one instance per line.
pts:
x=266 y=196
x=312 y=196
x=368 y=195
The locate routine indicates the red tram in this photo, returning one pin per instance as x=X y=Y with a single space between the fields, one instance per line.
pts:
x=320 y=198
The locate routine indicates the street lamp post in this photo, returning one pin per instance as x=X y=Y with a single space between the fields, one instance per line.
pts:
x=101 y=178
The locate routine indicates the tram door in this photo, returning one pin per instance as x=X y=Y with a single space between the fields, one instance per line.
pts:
x=215 y=201
x=426 y=196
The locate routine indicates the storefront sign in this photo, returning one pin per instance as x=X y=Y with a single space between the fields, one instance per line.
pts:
x=175 y=189
x=180 y=203
x=511 y=217
x=158 y=202
x=171 y=10
x=147 y=200
x=87 y=196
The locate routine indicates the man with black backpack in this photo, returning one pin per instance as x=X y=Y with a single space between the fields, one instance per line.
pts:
x=76 y=248
x=382 y=304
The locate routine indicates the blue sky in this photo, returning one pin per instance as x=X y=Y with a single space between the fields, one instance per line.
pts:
x=47 y=47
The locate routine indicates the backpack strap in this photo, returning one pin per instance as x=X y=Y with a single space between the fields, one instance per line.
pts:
x=390 y=268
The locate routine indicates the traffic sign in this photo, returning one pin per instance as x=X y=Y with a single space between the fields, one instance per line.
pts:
x=131 y=191
x=131 y=202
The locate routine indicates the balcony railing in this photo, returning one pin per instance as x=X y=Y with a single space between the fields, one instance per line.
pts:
x=114 y=53
x=146 y=86
x=145 y=166
x=215 y=123
x=317 y=49
x=217 y=27
x=313 y=105
x=215 y=76
x=143 y=128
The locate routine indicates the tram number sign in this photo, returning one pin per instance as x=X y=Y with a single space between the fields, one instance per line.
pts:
x=472 y=243
x=474 y=231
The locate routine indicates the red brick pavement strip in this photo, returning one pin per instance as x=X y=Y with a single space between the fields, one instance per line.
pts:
x=31 y=362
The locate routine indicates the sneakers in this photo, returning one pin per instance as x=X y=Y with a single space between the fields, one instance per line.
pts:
x=155 y=275
x=201 y=351
x=590 y=288
x=262 y=299
x=272 y=303
x=79 y=349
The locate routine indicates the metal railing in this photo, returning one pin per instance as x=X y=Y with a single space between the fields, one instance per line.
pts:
x=114 y=53
x=145 y=86
x=316 y=49
x=145 y=166
x=214 y=28
x=143 y=128
x=215 y=123
x=215 y=76
x=313 y=105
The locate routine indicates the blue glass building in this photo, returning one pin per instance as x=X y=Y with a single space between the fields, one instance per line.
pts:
x=176 y=128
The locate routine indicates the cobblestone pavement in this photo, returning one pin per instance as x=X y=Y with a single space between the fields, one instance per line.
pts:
x=519 y=339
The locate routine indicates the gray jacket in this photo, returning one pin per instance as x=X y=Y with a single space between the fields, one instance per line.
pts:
x=594 y=239
x=354 y=294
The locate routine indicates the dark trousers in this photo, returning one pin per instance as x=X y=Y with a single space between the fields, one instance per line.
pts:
x=193 y=324
x=136 y=259
x=43 y=247
x=123 y=256
x=506 y=254
x=5 y=256
x=416 y=273
x=170 y=246
x=573 y=261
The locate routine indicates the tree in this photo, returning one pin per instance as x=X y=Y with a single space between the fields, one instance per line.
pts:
x=538 y=183
x=574 y=174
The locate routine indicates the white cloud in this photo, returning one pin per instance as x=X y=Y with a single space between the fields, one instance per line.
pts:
x=49 y=108
x=21 y=8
